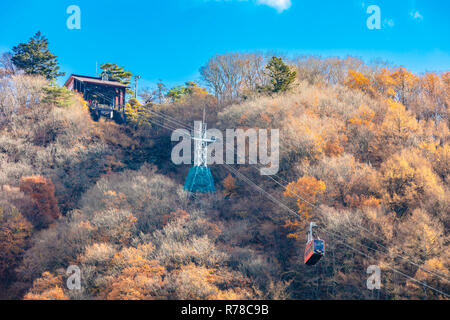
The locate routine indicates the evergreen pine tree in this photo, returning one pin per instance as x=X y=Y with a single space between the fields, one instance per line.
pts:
x=280 y=74
x=34 y=57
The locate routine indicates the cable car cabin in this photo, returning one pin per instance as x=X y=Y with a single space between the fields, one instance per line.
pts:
x=315 y=247
x=314 y=251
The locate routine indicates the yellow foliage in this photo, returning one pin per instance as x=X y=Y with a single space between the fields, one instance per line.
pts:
x=334 y=145
x=305 y=190
x=405 y=82
x=407 y=179
x=385 y=83
x=431 y=85
x=370 y=202
x=48 y=287
x=292 y=226
x=434 y=264
x=398 y=130
x=140 y=278
x=356 y=80
x=364 y=116
x=201 y=283
x=400 y=120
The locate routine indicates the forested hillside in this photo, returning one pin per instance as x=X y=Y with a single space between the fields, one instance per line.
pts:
x=364 y=152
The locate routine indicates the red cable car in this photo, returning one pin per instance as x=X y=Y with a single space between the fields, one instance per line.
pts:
x=315 y=248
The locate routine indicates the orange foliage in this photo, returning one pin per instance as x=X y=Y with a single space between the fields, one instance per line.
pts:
x=446 y=83
x=15 y=231
x=42 y=193
x=292 y=226
x=405 y=82
x=398 y=128
x=384 y=83
x=201 y=283
x=48 y=287
x=229 y=183
x=356 y=80
x=431 y=84
x=407 y=180
x=439 y=156
x=305 y=190
x=334 y=145
x=140 y=278
x=362 y=201
x=138 y=282
x=364 y=117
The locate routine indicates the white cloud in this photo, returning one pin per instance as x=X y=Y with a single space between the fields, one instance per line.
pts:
x=416 y=15
x=279 y=5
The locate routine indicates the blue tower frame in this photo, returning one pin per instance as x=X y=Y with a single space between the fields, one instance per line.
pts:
x=200 y=179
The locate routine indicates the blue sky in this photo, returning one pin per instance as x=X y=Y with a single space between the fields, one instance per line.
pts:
x=171 y=39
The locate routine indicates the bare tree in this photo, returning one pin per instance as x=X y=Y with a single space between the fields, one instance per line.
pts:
x=161 y=91
x=147 y=95
x=6 y=65
x=331 y=70
x=231 y=76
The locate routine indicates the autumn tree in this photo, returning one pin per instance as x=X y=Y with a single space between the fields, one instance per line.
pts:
x=15 y=232
x=190 y=88
x=306 y=192
x=357 y=80
x=384 y=83
x=194 y=282
x=408 y=180
x=445 y=77
x=48 y=287
x=398 y=130
x=433 y=91
x=140 y=279
x=405 y=85
x=420 y=237
x=229 y=183
x=42 y=193
x=138 y=115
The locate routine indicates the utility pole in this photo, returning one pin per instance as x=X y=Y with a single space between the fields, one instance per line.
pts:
x=161 y=88
x=136 y=78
